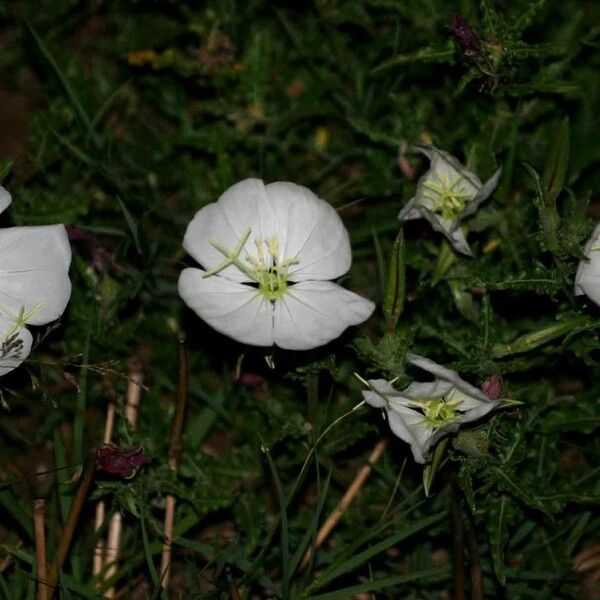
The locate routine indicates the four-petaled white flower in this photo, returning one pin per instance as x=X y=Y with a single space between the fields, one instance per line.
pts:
x=34 y=284
x=587 y=278
x=422 y=413
x=447 y=194
x=268 y=253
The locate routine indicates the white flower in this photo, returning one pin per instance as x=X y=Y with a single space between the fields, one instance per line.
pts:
x=587 y=278
x=34 y=284
x=422 y=413
x=268 y=252
x=447 y=194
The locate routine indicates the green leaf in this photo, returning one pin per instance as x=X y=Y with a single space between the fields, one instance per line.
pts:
x=446 y=258
x=285 y=544
x=5 y=167
x=15 y=507
x=310 y=533
x=148 y=553
x=530 y=341
x=68 y=90
x=133 y=228
x=555 y=173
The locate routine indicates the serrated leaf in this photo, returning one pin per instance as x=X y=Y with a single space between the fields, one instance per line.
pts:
x=510 y=484
x=549 y=218
x=466 y=485
x=428 y=54
x=498 y=537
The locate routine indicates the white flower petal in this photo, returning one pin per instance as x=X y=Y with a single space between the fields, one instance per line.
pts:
x=418 y=390
x=312 y=313
x=15 y=345
x=5 y=199
x=410 y=426
x=379 y=392
x=407 y=415
x=446 y=374
x=459 y=242
x=445 y=173
x=310 y=230
x=410 y=211
x=587 y=278
x=243 y=206
x=451 y=229
x=447 y=169
x=34 y=264
x=471 y=408
x=485 y=192
x=431 y=367
x=234 y=309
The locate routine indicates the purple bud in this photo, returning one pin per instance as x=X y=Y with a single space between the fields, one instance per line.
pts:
x=120 y=462
x=492 y=387
x=467 y=37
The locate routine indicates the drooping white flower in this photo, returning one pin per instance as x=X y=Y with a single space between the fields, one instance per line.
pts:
x=447 y=194
x=34 y=284
x=424 y=412
x=268 y=253
x=587 y=278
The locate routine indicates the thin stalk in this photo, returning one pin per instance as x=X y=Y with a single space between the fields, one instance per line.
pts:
x=296 y=486
x=39 y=527
x=98 y=563
x=347 y=498
x=458 y=545
x=115 y=527
x=174 y=454
x=474 y=561
x=66 y=536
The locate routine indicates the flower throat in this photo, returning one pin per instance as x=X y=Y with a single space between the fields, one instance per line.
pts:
x=266 y=270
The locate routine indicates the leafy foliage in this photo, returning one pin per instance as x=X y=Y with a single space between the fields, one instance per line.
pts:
x=139 y=114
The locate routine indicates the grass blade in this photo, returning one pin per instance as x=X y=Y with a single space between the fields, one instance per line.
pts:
x=339 y=567
x=426 y=575
x=285 y=544
x=68 y=90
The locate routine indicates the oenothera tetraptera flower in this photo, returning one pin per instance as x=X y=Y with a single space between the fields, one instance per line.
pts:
x=447 y=194
x=587 y=278
x=268 y=253
x=424 y=412
x=34 y=284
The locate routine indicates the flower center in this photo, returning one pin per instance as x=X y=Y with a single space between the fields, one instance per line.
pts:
x=448 y=201
x=265 y=268
x=437 y=411
x=268 y=270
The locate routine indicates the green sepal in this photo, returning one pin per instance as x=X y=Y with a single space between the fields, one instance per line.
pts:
x=395 y=286
x=431 y=469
